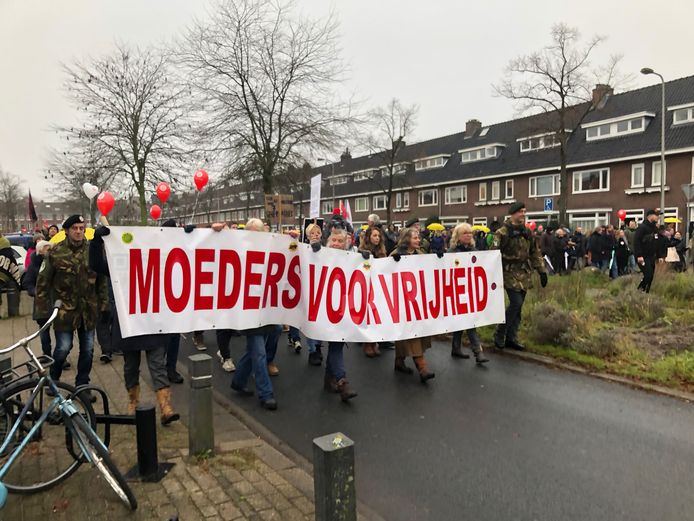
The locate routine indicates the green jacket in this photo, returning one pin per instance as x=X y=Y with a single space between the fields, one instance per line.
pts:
x=520 y=255
x=65 y=275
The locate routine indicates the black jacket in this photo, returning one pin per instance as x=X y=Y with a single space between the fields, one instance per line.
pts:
x=646 y=240
x=30 y=277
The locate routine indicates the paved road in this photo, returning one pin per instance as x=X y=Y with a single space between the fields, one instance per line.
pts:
x=516 y=441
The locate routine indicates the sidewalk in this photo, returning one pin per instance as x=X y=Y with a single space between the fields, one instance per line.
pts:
x=246 y=479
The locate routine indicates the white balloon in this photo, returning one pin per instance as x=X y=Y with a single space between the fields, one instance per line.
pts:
x=90 y=190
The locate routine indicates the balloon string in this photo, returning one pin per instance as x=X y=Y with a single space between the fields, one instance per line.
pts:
x=195 y=207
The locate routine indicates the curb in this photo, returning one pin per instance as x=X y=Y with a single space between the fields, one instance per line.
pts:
x=364 y=512
x=635 y=384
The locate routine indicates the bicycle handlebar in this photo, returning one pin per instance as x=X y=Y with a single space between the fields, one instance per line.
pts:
x=24 y=341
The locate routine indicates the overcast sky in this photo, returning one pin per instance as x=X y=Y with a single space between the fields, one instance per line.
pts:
x=441 y=54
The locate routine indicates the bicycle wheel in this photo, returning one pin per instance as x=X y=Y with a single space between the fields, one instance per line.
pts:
x=101 y=459
x=52 y=455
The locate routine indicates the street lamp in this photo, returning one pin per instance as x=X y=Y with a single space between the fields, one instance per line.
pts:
x=646 y=71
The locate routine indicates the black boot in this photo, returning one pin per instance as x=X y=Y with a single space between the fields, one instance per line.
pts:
x=456 y=347
x=480 y=359
x=515 y=345
x=174 y=377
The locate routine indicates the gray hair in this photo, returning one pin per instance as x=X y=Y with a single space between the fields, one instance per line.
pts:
x=375 y=219
x=255 y=225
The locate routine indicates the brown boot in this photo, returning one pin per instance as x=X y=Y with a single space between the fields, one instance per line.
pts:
x=369 y=350
x=346 y=393
x=168 y=415
x=400 y=366
x=424 y=373
x=330 y=384
x=134 y=399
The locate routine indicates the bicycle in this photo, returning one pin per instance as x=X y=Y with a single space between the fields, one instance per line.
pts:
x=52 y=430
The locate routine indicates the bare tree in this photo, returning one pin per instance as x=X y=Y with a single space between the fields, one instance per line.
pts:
x=265 y=80
x=557 y=80
x=131 y=118
x=10 y=199
x=392 y=125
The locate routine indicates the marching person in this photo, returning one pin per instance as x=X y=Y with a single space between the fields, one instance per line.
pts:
x=154 y=346
x=519 y=257
x=313 y=235
x=65 y=275
x=254 y=360
x=409 y=244
x=463 y=240
x=335 y=374
x=646 y=241
x=373 y=243
x=42 y=248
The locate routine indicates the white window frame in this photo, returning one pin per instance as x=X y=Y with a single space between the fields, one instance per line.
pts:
x=687 y=109
x=634 y=214
x=547 y=140
x=363 y=175
x=496 y=190
x=339 y=180
x=599 y=219
x=435 y=198
x=479 y=221
x=642 y=166
x=402 y=200
x=361 y=204
x=508 y=193
x=481 y=153
x=449 y=190
x=430 y=163
x=326 y=205
x=653 y=181
x=379 y=199
x=482 y=192
x=609 y=128
x=532 y=185
x=604 y=175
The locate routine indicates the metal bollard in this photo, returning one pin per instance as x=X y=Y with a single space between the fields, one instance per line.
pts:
x=333 y=478
x=146 y=433
x=201 y=425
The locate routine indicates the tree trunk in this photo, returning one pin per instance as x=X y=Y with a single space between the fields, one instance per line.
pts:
x=143 y=203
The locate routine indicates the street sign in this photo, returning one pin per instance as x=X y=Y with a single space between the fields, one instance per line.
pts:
x=549 y=204
x=280 y=207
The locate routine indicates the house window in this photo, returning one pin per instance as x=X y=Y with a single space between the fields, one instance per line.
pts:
x=539 y=142
x=429 y=163
x=327 y=207
x=455 y=194
x=588 y=221
x=478 y=154
x=637 y=175
x=479 y=221
x=509 y=189
x=544 y=185
x=592 y=181
x=429 y=197
x=361 y=204
x=402 y=200
x=595 y=131
x=496 y=190
x=341 y=180
x=655 y=173
x=683 y=115
x=362 y=175
x=634 y=215
x=379 y=202
x=483 y=192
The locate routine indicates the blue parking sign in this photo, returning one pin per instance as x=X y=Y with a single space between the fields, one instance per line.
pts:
x=549 y=204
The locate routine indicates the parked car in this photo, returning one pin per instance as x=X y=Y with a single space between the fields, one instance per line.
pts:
x=24 y=240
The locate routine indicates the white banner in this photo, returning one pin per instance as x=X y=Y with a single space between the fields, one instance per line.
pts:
x=314 y=209
x=167 y=281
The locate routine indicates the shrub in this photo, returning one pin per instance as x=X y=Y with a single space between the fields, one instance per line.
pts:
x=604 y=343
x=674 y=287
x=676 y=367
x=550 y=323
x=631 y=307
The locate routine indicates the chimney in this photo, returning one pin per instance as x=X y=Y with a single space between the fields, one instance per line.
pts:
x=601 y=93
x=345 y=155
x=472 y=126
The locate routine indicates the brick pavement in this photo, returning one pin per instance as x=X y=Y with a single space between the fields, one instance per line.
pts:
x=246 y=479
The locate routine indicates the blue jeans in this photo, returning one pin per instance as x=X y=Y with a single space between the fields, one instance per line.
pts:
x=335 y=362
x=294 y=334
x=46 y=347
x=272 y=341
x=631 y=264
x=312 y=345
x=254 y=360
x=172 y=352
x=63 y=345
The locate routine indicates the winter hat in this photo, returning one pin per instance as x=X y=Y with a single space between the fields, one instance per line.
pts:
x=411 y=221
x=652 y=212
x=516 y=207
x=41 y=244
x=73 y=219
x=54 y=226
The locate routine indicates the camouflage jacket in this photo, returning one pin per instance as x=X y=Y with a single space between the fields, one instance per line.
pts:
x=520 y=255
x=65 y=275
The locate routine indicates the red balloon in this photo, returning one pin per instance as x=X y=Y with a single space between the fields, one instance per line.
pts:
x=201 y=178
x=155 y=211
x=532 y=225
x=105 y=202
x=163 y=191
x=622 y=214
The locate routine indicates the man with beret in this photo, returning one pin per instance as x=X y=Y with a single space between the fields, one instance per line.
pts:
x=65 y=275
x=646 y=248
x=520 y=255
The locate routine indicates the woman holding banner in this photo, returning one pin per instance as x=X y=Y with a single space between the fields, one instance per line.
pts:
x=313 y=235
x=409 y=244
x=372 y=242
x=254 y=360
x=463 y=240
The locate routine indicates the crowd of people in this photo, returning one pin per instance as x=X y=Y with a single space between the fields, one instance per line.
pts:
x=76 y=272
